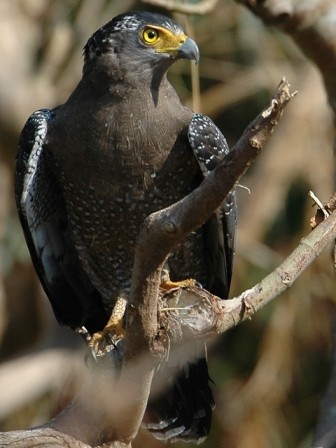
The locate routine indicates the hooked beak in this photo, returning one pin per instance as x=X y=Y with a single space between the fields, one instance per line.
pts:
x=189 y=50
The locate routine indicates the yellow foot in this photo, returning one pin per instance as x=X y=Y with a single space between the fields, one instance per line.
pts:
x=167 y=284
x=104 y=340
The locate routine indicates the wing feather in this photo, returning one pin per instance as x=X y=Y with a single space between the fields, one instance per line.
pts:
x=42 y=212
x=210 y=148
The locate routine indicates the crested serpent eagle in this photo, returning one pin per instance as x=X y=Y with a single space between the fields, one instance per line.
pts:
x=90 y=171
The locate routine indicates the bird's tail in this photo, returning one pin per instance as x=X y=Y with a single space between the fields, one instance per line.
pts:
x=183 y=410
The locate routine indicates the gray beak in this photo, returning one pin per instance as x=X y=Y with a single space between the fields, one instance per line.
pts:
x=189 y=50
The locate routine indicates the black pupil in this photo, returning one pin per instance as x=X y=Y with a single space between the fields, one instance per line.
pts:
x=151 y=34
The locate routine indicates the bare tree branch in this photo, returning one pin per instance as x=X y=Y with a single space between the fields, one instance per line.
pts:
x=45 y=437
x=165 y=229
x=196 y=313
x=202 y=314
x=96 y=416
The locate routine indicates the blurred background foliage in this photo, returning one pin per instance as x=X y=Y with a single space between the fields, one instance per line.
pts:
x=270 y=372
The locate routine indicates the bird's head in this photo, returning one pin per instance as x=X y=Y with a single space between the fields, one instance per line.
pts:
x=139 y=43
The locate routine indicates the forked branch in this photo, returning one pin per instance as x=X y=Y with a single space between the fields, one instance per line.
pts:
x=110 y=415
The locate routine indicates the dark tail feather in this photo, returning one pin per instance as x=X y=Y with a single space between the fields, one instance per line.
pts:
x=183 y=410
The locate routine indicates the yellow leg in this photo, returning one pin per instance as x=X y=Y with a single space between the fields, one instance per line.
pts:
x=113 y=330
x=167 y=284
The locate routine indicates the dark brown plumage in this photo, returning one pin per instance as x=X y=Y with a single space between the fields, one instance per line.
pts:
x=90 y=171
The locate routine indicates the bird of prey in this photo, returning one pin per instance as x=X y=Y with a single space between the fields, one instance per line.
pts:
x=88 y=173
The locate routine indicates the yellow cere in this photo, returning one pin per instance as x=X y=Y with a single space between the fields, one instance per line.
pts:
x=162 y=39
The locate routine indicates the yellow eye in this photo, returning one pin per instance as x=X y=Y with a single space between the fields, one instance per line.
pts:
x=150 y=35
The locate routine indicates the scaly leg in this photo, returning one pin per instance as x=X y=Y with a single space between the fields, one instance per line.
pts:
x=167 y=284
x=113 y=330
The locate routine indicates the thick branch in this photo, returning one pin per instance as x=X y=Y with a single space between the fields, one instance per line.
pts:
x=96 y=416
x=45 y=437
x=194 y=311
x=165 y=229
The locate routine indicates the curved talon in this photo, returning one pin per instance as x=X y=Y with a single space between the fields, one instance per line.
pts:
x=102 y=341
x=90 y=359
